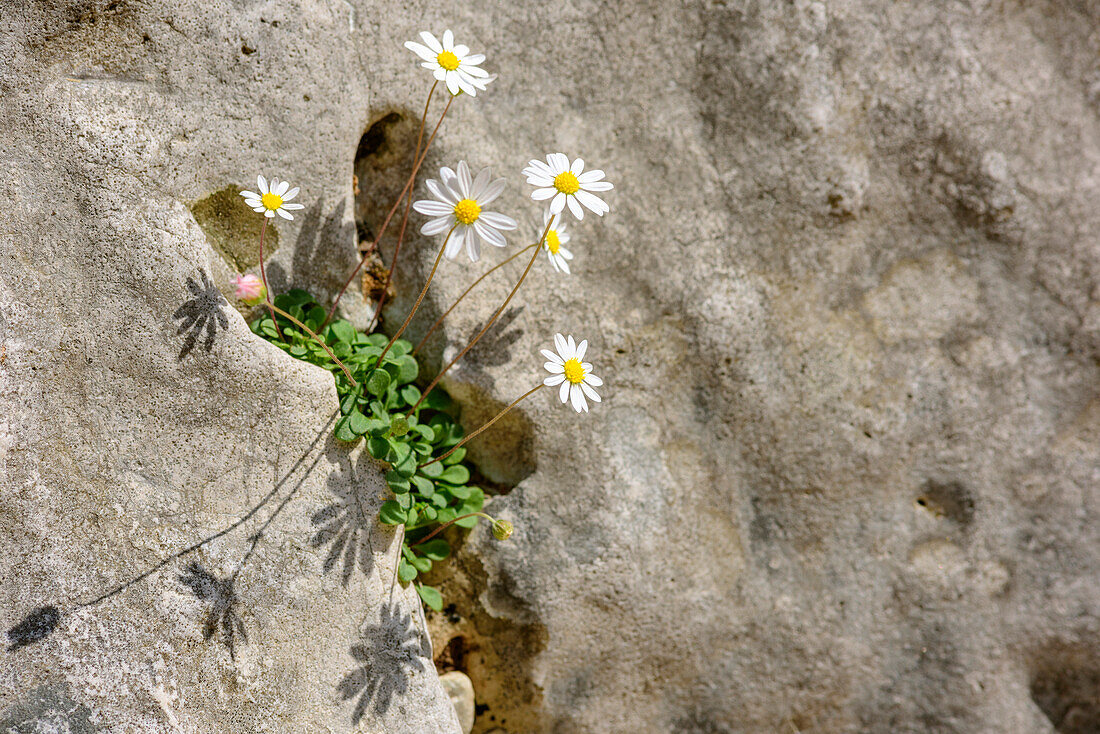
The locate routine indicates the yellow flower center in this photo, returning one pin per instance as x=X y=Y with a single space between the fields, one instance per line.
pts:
x=271 y=201
x=467 y=211
x=447 y=60
x=574 y=372
x=567 y=183
x=553 y=244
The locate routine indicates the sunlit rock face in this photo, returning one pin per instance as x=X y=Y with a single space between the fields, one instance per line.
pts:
x=844 y=475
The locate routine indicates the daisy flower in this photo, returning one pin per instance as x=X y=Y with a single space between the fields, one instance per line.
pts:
x=273 y=200
x=574 y=376
x=554 y=244
x=458 y=202
x=567 y=185
x=249 y=288
x=453 y=65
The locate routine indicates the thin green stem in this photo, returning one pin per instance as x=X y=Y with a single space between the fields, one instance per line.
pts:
x=446 y=525
x=419 y=298
x=484 y=329
x=473 y=285
x=404 y=220
x=393 y=209
x=317 y=339
x=263 y=277
x=474 y=435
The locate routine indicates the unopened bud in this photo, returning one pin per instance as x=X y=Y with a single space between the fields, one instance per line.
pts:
x=250 y=289
x=502 y=529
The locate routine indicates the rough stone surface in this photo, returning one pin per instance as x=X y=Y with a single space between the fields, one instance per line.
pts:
x=458 y=686
x=845 y=475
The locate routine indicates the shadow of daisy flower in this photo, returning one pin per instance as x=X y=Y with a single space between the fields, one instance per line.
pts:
x=346 y=524
x=387 y=653
x=202 y=313
x=222 y=599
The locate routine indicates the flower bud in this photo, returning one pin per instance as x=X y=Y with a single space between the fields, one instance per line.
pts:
x=502 y=529
x=250 y=289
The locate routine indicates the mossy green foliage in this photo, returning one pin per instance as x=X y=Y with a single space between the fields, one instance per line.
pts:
x=374 y=412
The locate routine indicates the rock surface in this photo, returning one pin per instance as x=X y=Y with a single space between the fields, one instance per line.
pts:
x=844 y=478
x=461 y=691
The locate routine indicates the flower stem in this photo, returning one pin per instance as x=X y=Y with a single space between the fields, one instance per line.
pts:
x=263 y=277
x=393 y=209
x=316 y=338
x=446 y=525
x=419 y=298
x=474 y=435
x=481 y=333
x=465 y=292
x=404 y=219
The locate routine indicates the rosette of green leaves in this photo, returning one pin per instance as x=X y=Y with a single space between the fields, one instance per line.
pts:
x=374 y=412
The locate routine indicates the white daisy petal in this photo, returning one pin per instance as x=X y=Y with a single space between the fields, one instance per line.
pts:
x=561 y=345
x=588 y=391
x=431 y=42
x=591 y=177
x=552 y=357
x=452 y=83
x=578 y=167
x=465 y=86
x=597 y=186
x=473 y=244
x=543 y=194
x=284 y=214
x=563 y=265
x=577 y=398
x=432 y=208
x=440 y=74
x=559 y=163
x=253 y=202
x=554 y=380
x=464 y=180
x=481 y=180
x=581 y=348
x=566 y=254
x=460 y=51
x=473 y=59
x=594 y=203
x=422 y=51
x=490 y=235
x=593 y=380
x=575 y=207
x=269 y=213
x=262 y=183
x=294 y=206
x=441 y=191
x=455 y=244
x=282 y=188
x=557 y=204
x=563 y=391
x=499 y=221
x=259 y=209
x=492 y=191
x=250 y=195
x=448 y=40
x=436 y=226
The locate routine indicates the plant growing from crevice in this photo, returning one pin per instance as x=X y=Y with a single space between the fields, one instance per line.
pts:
x=414 y=431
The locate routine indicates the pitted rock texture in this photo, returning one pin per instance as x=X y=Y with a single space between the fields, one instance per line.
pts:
x=844 y=477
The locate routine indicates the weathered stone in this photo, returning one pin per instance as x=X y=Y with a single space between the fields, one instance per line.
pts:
x=849 y=265
x=461 y=691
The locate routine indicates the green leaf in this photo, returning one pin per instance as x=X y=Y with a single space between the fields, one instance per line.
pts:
x=392 y=513
x=378 y=340
x=412 y=516
x=379 y=448
x=398 y=483
x=424 y=486
x=407 y=467
x=425 y=432
x=437 y=400
x=358 y=422
x=456 y=474
x=400 y=450
x=429 y=512
x=423 y=565
x=378 y=382
x=460 y=492
x=377 y=427
x=410 y=394
x=348 y=402
x=344 y=430
x=343 y=331
x=407 y=369
x=436 y=549
x=406 y=571
x=440 y=500
x=457 y=456
x=432 y=470
x=430 y=596
x=405 y=500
